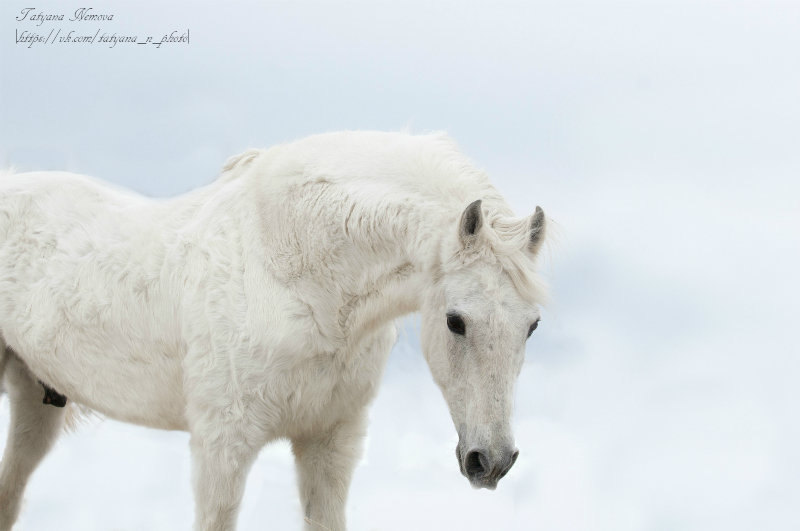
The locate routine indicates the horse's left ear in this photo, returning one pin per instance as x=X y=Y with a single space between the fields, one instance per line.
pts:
x=537 y=231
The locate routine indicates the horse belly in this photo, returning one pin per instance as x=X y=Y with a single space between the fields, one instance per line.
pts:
x=141 y=386
x=82 y=302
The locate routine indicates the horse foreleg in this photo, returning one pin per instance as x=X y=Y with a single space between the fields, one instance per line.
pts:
x=33 y=430
x=325 y=464
x=220 y=463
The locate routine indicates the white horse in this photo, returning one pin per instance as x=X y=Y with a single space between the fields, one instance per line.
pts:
x=262 y=307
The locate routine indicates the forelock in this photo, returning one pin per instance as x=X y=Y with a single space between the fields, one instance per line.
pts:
x=504 y=242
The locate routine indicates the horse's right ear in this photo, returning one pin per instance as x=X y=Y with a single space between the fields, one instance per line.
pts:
x=536 y=232
x=471 y=223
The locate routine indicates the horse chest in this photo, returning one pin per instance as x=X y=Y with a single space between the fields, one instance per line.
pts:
x=321 y=391
x=328 y=387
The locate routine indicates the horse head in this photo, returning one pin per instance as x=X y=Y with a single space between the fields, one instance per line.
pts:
x=481 y=307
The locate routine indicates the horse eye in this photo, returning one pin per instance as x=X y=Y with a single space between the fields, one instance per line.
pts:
x=456 y=324
x=533 y=327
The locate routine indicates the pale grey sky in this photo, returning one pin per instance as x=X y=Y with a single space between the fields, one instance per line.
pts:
x=660 y=137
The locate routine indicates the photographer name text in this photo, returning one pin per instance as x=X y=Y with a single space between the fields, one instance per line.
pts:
x=85 y=26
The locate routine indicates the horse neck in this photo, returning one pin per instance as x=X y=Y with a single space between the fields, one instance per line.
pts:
x=385 y=265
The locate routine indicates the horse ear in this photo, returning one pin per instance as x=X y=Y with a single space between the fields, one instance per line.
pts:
x=471 y=223
x=537 y=231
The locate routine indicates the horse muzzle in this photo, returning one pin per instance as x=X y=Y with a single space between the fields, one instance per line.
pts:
x=484 y=468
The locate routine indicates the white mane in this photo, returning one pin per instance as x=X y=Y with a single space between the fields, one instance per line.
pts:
x=426 y=170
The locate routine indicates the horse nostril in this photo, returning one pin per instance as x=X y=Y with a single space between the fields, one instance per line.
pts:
x=476 y=464
x=510 y=464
